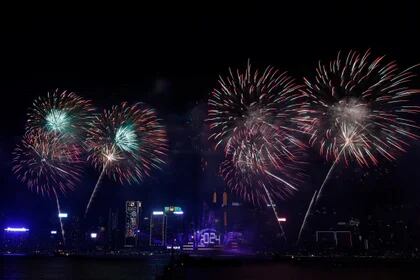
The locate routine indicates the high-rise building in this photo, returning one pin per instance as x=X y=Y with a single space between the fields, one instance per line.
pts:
x=73 y=232
x=157 y=235
x=225 y=211
x=174 y=226
x=114 y=232
x=331 y=239
x=132 y=214
x=212 y=214
x=16 y=239
x=143 y=235
x=167 y=227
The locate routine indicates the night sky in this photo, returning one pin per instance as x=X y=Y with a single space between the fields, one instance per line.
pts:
x=172 y=61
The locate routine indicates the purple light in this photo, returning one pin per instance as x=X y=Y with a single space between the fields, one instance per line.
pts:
x=53 y=232
x=281 y=219
x=12 y=229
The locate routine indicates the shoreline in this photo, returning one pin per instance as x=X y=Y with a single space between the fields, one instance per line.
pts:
x=225 y=258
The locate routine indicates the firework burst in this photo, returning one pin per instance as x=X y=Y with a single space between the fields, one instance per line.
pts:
x=47 y=163
x=126 y=143
x=359 y=109
x=253 y=116
x=63 y=113
x=262 y=158
x=249 y=98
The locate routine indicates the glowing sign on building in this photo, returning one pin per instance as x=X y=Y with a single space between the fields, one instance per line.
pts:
x=132 y=213
x=173 y=209
x=14 y=229
x=208 y=239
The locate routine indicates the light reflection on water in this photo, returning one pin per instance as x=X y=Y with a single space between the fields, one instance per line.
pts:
x=320 y=271
x=23 y=268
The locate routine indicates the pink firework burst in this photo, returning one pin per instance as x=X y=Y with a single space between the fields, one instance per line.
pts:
x=361 y=108
x=262 y=159
x=47 y=163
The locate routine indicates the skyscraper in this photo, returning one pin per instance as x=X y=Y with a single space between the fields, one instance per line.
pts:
x=114 y=232
x=157 y=235
x=132 y=214
x=174 y=226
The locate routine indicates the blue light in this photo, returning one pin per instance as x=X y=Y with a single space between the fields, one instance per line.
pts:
x=53 y=232
x=179 y=213
x=93 y=235
x=157 y=213
x=63 y=215
x=13 y=229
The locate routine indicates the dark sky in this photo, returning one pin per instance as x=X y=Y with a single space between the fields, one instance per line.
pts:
x=172 y=61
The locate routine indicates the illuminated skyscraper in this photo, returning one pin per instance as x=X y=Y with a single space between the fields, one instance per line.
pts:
x=174 y=226
x=225 y=209
x=15 y=239
x=157 y=235
x=132 y=214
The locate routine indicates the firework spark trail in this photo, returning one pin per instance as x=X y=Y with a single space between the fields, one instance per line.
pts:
x=95 y=189
x=63 y=235
x=319 y=192
x=283 y=234
x=306 y=217
x=281 y=180
x=329 y=174
x=348 y=144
